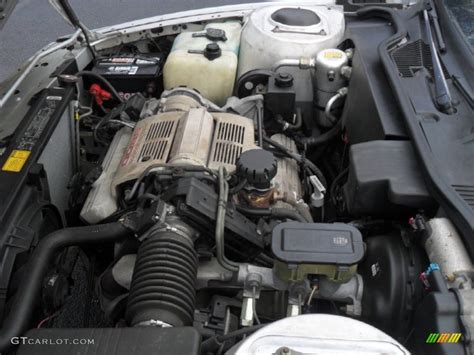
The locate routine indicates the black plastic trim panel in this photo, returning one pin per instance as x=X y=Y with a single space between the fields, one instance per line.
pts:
x=457 y=209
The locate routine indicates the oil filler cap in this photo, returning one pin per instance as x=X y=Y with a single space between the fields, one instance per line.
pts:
x=258 y=167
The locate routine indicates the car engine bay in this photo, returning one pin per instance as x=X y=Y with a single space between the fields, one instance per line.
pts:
x=227 y=177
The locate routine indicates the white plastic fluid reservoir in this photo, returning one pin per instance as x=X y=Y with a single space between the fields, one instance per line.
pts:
x=280 y=32
x=205 y=60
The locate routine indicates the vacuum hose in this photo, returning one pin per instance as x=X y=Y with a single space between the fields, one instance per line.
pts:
x=163 y=284
x=18 y=319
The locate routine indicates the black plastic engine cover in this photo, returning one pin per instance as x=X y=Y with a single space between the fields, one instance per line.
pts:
x=385 y=179
x=317 y=243
x=118 y=341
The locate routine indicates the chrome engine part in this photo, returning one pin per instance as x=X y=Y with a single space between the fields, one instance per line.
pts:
x=328 y=78
x=328 y=74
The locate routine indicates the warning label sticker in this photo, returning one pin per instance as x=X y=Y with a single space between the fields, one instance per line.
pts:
x=16 y=161
x=333 y=54
x=24 y=145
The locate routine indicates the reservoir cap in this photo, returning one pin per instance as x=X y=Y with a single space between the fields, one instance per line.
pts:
x=258 y=166
x=212 y=51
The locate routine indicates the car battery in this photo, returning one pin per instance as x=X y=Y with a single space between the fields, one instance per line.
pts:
x=132 y=73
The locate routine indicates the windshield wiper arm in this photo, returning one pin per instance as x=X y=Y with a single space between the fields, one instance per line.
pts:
x=442 y=94
x=433 y=14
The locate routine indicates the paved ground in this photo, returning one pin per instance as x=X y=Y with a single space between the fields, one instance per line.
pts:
x=34 y=23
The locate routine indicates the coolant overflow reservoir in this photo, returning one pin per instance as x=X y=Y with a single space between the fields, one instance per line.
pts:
x=205 y=61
